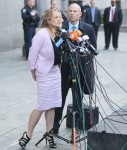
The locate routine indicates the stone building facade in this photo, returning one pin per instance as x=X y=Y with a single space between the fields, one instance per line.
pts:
x=11 y=32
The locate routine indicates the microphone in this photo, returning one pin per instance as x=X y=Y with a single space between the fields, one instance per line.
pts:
x=58 y=41
x=66 y=38
x=89 y=45
x=76 y=36
x=79 y=33
x=73 y=36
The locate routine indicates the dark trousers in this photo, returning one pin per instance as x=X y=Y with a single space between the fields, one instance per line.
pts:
x=111 y=29
x=85 y=85
x=29 y=33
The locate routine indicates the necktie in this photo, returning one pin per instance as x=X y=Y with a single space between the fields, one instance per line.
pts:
x=112 y=15
x=73 y=28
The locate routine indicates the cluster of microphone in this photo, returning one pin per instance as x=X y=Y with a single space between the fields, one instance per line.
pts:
x=75 y=38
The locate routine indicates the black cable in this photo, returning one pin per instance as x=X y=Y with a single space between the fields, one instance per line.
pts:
x=107 y=98
x=112 y=77
x=116 y=121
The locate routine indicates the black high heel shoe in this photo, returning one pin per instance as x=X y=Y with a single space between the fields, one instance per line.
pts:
x=50 y=139
x=24 y=140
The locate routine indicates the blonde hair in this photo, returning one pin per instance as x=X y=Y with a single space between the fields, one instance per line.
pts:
x=47 y=17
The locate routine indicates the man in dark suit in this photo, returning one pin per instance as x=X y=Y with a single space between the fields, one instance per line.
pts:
x=112 y=20
x=87 y=82
x=93 y=16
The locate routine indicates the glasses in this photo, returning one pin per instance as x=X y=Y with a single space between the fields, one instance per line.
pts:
x=113 y=2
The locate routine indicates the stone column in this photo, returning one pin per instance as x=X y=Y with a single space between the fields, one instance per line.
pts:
x=64 y=5
x=124 y=4
x=42 y=6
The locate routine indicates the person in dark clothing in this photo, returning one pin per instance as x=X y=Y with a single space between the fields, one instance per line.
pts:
x=93 y=16
x=112 y=20
x=74 y=14
x=53 y=4
x=84 y=6
x=30 y=23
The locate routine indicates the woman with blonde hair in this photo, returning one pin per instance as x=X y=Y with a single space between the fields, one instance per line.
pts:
x=44 y=60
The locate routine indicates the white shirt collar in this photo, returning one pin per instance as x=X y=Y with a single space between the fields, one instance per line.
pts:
x=113 y=7
x=71 y=25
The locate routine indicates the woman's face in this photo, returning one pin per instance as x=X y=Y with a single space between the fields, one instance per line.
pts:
x=56 y=20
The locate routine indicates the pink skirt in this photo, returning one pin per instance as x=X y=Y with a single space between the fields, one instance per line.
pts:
x=49 y=89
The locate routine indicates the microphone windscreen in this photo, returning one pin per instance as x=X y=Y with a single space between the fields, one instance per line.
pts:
x=73 y=36
x=64 y=35
x=79 y=33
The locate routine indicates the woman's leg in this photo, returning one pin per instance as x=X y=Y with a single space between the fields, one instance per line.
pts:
x=49 y=117
x=33 y=120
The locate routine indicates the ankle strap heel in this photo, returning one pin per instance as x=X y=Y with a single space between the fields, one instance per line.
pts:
x=50 y=139
x=24 y=140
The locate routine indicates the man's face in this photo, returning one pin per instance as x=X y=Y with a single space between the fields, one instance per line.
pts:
x=113 y=2
x=92 y=3
x=74 y=13
x=31 y=3
x=54 y=4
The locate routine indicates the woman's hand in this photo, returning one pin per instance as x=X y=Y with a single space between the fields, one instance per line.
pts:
x=33 y=74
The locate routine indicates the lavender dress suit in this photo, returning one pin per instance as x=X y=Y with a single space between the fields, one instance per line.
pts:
x=48 y=77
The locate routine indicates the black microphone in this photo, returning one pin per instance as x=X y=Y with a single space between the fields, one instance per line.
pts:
x=65 y=37
x=58 y=41
x=89 y=45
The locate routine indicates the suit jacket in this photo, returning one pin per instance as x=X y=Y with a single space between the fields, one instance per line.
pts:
x=41 y=54
x=118 y=17
x=86 y=29
x=83 y=8
x=87 y=84
x=88 y=17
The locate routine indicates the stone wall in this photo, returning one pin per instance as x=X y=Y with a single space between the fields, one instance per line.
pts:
x=11 y=33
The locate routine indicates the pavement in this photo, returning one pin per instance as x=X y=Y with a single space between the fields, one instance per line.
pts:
x=18 y=94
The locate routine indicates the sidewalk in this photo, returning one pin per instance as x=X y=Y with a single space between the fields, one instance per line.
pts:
x=18 y=93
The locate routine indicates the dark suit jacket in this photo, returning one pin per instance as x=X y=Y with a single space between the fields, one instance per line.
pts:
x=88 y=17
x=86 y=29
x=83 y=8
x=118 y=17
x=87 y=83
